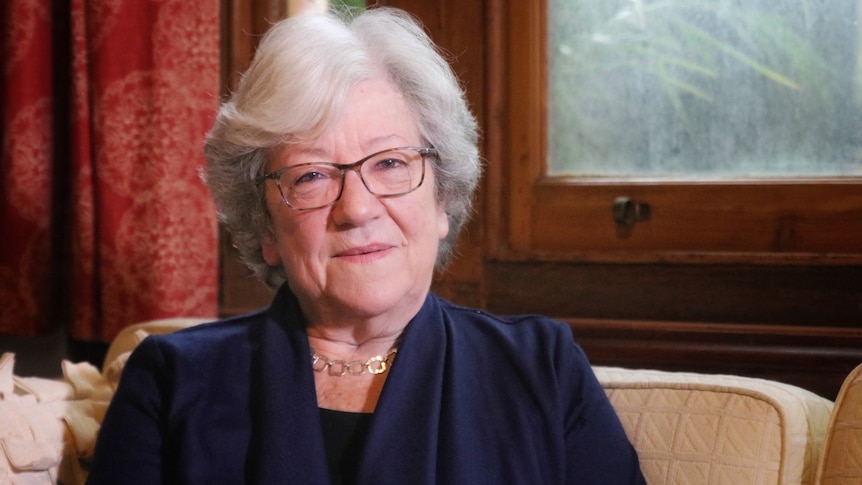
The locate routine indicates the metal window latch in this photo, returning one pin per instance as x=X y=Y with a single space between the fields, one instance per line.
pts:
x=627 y=212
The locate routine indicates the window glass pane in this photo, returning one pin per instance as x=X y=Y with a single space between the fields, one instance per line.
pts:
x=712 y=88
x=360 y=4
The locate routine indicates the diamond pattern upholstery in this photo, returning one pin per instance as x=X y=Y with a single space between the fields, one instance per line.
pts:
x=703 y=429
x=842 y=455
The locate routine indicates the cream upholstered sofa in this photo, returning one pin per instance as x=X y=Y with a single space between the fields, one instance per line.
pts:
x=687 y=428
x=714 y=429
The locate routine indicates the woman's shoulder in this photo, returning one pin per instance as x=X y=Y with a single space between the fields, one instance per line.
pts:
x=523 y=334
x=514 y=323
x=524 y=344
x=212 y=332
x=199 y=345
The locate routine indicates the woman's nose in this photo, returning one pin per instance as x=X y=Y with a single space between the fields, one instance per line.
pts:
x=356 y=203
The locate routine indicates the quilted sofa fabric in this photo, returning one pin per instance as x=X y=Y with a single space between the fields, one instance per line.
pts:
x=703 y=429
x=687 y=428
x=842 y=454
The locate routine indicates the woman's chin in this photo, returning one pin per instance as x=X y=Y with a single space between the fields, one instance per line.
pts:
x=374 y=301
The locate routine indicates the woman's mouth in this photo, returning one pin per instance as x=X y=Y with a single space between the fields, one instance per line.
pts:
x=364 y=251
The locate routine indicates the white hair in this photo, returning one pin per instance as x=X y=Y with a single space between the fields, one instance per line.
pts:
x=294 y=88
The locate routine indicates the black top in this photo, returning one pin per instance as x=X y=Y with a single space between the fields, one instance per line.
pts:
x=344 y=436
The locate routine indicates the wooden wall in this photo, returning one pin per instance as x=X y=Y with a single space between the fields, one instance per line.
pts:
x=798 y=322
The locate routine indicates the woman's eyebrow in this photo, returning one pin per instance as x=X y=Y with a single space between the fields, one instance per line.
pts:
x=306 y=153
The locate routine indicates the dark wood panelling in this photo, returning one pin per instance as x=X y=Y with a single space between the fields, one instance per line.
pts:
x=796 y=324
x=241 y=292
x=243 y=22
x=773 y=294
x=460 y=29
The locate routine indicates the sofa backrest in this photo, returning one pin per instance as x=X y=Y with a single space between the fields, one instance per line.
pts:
x=712 y=429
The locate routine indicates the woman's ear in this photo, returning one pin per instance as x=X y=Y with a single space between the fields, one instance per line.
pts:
x=442 y=222
x=269 y=249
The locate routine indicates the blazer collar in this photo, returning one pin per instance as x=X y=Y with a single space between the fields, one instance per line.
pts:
x=287 y=440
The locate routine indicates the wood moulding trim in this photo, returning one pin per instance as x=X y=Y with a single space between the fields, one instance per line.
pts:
x=720 y=332
x=815 y=358
x=691 y=258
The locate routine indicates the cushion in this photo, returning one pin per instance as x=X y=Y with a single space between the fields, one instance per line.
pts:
x=129 y=337
x=842 y=454
x=48 y=427
x=701 y=429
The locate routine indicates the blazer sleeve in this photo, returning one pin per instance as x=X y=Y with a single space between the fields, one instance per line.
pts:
x=597 y=448
x=130 y=446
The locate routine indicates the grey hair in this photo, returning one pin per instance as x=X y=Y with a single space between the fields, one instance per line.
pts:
x=294 y=88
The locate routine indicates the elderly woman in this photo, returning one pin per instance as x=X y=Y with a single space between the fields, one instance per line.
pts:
x=344 y=166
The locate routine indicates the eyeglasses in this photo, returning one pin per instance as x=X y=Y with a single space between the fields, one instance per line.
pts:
x=387 y=173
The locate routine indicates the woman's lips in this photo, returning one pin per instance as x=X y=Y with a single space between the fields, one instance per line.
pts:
x=363 y=250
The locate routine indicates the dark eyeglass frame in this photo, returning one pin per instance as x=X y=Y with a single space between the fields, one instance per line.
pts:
x=275 y=175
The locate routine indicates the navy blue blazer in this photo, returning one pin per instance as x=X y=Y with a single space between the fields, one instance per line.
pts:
x=471 y=398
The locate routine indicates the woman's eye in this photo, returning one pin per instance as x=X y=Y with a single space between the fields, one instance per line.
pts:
x=390 y=163
x=310 y=176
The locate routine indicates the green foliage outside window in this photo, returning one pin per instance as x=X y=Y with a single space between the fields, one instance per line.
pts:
x=357 y=4
x=705 y=88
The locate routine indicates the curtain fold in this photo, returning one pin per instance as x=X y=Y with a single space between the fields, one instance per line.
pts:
x=105 y=220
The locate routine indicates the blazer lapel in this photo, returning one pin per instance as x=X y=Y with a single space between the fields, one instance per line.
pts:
x=286 y=440
x=403 y=437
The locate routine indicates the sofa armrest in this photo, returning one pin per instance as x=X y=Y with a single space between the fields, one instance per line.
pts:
x=842 y=454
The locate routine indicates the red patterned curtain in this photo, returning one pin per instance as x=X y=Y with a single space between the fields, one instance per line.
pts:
x=104 y=220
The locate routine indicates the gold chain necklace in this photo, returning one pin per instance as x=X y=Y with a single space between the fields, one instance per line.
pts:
x=375 y=365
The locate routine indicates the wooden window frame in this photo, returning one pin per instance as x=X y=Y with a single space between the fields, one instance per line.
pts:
x=813 y=221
